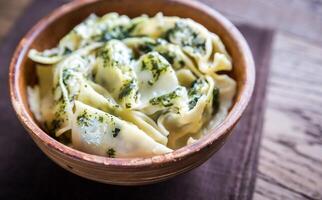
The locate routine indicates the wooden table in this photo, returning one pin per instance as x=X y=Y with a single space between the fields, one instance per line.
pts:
x=290 y=162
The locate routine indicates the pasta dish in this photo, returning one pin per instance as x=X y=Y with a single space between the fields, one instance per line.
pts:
x=121 y=87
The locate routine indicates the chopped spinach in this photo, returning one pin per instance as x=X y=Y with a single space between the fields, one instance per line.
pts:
x=195 y=92
x=156 y=64
x=84 y=119
x=127 y=88
x=165 y=100
x=185 y=36
x=101 y=119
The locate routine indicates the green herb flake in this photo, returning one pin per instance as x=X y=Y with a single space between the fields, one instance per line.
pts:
x=165 y=100
x=127 y=88
x=195 y=92
x=104 y=53
x=110 y=153
x=191 y=39
x=117 y=32
x=101 y=119
x=116 y=131
x=154 y=63
x=84 y=119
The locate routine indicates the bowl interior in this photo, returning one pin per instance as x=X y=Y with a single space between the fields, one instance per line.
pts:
x=51 y=29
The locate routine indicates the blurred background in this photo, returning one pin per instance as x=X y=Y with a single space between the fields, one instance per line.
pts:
x=290 y=158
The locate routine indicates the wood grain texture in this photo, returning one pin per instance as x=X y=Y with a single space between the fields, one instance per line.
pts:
x=290 y=164
x=299 y=17
x=291 y=153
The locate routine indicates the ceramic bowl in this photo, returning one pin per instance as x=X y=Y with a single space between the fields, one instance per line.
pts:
x=129 y=171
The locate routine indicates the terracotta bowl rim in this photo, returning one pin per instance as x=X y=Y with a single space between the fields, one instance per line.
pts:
x=215 y=133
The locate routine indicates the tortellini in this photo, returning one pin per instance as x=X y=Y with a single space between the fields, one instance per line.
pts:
x=101 y=133
x=122 y=87
x=115 y=73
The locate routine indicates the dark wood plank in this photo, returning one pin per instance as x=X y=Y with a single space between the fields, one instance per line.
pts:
x=290 y=164
x=298 y=17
